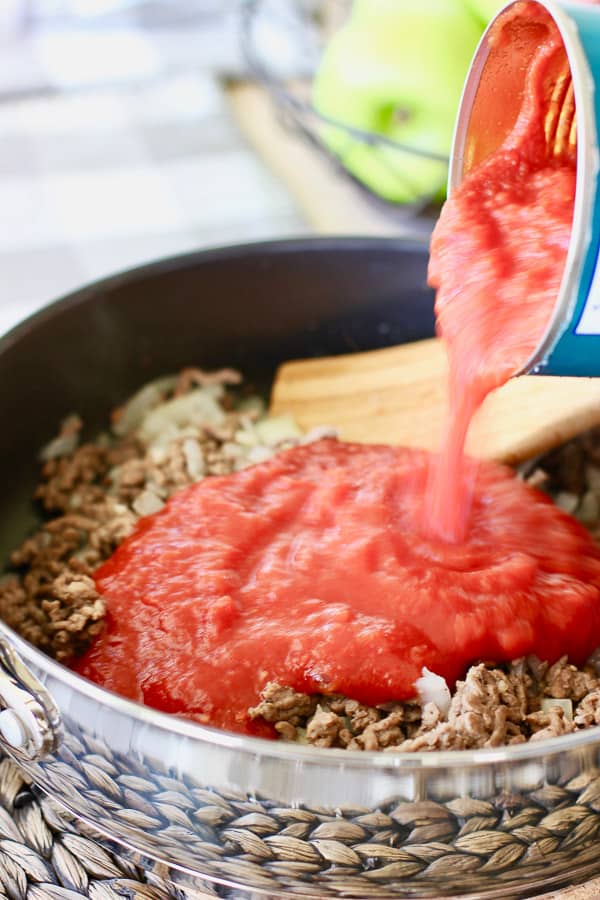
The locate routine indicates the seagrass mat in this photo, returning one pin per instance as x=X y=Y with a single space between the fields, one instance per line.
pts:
x=44 y=855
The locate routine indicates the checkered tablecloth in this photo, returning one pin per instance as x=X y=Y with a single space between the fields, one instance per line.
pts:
x=98 y=179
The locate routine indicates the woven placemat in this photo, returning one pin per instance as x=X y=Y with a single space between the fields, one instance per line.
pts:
x=46 y=855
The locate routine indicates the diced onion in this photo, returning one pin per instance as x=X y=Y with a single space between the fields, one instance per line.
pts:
x=199 y=407
x=432 y=688
x=567 y=501
x=319 y=433
x=147 y=503
x=59 y=446
x=277 y=429
x=194 y=460
x=131 y=415
x=565 y=705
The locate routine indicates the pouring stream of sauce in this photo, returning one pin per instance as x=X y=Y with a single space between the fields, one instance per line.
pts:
x=497 y=257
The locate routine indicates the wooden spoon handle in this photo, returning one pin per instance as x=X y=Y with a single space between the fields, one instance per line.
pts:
x=398 y=396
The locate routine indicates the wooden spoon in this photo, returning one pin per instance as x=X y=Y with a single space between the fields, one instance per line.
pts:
x=398 y=396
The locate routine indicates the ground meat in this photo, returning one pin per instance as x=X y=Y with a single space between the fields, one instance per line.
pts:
x=487 y=710
x=361 y=717
x=565 y=468
x=566 y=681
x=73 y=481
x=387 y=732
x=286 y=731
x=75 y=612
x=588 y=711
x=550 y=723
x=53 y=601
x=488 y=706
x=282 y=704
x=492 y=707
x=326 y=729
x=571 y=474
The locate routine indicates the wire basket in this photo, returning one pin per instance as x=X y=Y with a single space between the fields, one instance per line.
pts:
x=298 y=114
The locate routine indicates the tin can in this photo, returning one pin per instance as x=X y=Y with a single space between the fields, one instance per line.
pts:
x=491 y=98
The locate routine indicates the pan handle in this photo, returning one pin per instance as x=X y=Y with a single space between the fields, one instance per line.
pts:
x=30 y=722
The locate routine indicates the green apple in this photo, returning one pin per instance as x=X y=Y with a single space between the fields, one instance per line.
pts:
x=397 y=68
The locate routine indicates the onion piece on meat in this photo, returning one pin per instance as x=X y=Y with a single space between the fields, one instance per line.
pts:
x=432 y=688
x=128 y=417
x=566 y=706
x=199 y=407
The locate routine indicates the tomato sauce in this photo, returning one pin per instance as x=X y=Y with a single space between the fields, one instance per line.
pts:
x=497 y=257
x=308 y=570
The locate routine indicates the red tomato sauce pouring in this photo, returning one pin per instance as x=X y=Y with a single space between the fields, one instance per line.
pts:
x=315 y=570
x=497 y=257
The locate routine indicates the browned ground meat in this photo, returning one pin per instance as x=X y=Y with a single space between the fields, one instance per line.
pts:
x=493 y=706
x=94 y=493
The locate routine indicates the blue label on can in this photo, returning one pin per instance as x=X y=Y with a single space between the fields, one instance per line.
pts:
x=589 y=323
x=577 y=351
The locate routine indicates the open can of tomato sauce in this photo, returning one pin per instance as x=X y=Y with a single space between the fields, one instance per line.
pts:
x=492 y=99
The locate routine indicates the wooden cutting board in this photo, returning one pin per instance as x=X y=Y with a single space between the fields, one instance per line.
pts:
x=398 y=396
